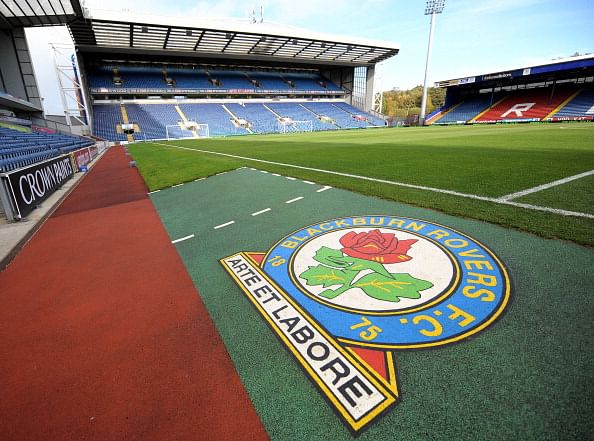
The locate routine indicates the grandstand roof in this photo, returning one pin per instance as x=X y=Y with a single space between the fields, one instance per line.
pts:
x=571 y=66
x=109 y=31
x=27 y=13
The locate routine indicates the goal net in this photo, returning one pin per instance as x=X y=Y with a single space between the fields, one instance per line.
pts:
x=188 y=129
x=291 y=126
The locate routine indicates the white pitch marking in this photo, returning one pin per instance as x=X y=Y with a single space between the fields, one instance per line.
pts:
x=181 y=239
x=324 y=188
x=290 y=201
x=519 y=194
x=177 y=185
x=309 y=182
x=399 y=184
x=224 y=225
x=155 y=191
x=261 y=211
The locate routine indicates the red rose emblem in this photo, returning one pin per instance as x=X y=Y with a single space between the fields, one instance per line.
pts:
x=377 y=246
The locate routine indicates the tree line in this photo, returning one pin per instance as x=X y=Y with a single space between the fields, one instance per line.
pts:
x=405 y=103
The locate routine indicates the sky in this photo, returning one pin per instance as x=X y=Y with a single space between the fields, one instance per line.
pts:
x=471 y=37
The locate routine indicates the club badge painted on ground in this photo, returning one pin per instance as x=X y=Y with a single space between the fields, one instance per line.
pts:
x=343 y=294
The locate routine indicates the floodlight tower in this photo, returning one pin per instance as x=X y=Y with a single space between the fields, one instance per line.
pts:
x=432 y=8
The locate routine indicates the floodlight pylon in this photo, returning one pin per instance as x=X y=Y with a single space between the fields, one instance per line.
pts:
x=432 y=8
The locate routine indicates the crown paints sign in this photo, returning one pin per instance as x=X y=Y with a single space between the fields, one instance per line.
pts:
x=32 y=185
x=344 y=294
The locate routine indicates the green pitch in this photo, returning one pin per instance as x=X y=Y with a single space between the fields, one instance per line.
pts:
x=485 y=161
x=527 y=377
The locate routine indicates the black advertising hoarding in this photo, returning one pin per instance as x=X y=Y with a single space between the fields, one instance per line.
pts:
x=32 y=185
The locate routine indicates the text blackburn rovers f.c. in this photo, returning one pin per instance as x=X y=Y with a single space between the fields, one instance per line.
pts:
x=345 y=293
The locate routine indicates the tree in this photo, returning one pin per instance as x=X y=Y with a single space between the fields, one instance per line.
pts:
x=403 y=103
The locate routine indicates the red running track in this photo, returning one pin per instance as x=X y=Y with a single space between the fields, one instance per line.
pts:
x=103 y=335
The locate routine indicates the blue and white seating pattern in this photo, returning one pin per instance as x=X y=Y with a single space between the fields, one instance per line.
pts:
x=467 y=110
x=218 y=119
x=261 y=119
x=581 y=105
x=106 y=117
x=297 y=112
x=152 y=119
x=373 y=121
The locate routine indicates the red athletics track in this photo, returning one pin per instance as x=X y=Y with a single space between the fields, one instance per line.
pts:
x=103 y=336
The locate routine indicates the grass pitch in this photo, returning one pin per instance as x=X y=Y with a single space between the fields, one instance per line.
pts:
x=490 y=161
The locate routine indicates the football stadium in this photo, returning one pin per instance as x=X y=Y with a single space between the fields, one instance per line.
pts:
x=226 y=237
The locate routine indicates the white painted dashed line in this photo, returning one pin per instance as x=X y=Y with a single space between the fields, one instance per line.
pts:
x=263 y=171
x=224 y=225
x=177 y=185
x=221 y=173
x=290 y=201
x=290 y=178
x=199 y=179
x=309 y=182
x=261 y=211
x=275 y=174
x=152 y=192
x=181 y=239
x=324 y=188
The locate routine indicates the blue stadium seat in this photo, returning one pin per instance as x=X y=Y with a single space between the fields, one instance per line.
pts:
x=581 y=105
x=467 y=110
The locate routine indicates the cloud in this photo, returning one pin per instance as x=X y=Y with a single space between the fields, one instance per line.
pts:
x=281 y=11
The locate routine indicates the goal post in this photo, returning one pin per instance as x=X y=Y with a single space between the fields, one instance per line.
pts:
x=188 y=130
x=292 y=126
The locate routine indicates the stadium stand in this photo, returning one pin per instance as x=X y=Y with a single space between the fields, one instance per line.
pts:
x=533 y=104
x=261 y=119
x=230 y=79
x=341 y=118
x=582 y=105
x=270 y=81
x=152 y=119
x=146 y=77
x=313 y=82
x=106 y=119
x=218 y=119
x=190 y=78
x=230 y=118
x=298 y=112
x=142 y=77
x=20 y=149
x=465 y=111
x=134 y=83
x=372 y=120
x=101 y=77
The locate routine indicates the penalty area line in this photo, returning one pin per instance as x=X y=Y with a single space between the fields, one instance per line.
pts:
x=399 y=184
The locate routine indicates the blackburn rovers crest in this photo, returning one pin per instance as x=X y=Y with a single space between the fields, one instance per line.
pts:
x=345 y=294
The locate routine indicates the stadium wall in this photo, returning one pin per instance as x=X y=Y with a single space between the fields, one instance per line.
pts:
x=16 y=69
